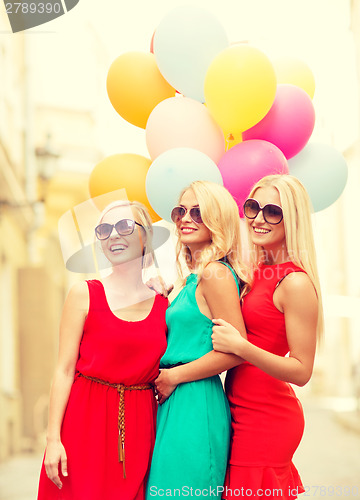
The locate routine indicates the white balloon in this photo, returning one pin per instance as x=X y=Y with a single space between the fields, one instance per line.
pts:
x=185 y=43
x=173 y=171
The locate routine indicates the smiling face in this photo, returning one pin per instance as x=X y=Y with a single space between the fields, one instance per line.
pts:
x=271 y=237
x=195 y=236
x=118 y=248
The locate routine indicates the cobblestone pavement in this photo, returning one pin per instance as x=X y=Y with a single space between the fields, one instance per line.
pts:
x=328 y=460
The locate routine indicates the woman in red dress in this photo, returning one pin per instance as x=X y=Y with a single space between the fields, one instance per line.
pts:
x=101 y=429
x=283 y=315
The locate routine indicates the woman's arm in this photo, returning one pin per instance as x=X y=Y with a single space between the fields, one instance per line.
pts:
x=218 y=296
x=71 y=328
x=297 y=299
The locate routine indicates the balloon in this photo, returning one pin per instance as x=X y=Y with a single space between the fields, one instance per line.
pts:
x=135 y=86
x=296 y=72
x=289 y=123
x=121 y=171
x=152 y=43
x=185 y=43
x=248 y=162
x=323 y=171
x=183 y=122
x=174 y=170
x=240 y=87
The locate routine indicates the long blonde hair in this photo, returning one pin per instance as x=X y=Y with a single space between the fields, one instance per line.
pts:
x=144 y=217
x=296 y=206
x=220 y=215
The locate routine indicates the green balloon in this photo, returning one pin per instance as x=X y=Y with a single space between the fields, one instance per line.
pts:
x=323 y=171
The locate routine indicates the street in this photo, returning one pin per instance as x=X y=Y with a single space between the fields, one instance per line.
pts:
x=328 y=457
x=328 y=460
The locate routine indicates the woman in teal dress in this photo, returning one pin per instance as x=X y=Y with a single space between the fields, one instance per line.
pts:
x=193 y=420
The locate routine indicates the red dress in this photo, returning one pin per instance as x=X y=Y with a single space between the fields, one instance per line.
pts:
x=267 y=417
x=115 y=351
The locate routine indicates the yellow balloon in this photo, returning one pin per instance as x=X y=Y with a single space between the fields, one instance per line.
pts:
x=121 y=171
x=240 y=87
x=296 y=72
x=135 y=86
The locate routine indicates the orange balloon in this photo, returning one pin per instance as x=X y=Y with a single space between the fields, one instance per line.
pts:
x=135 y=86
x=121 y=171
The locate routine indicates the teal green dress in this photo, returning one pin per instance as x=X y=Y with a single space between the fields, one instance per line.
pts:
x=193 y=424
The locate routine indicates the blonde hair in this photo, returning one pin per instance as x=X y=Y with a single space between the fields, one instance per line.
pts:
x=141 y=212
x=297 y=208
x=220 y=215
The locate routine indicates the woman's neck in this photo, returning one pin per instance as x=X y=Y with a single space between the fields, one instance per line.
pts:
x=274 y=255
x=126 y=277
x=196 y=257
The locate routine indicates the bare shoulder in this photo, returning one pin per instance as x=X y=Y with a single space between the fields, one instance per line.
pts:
x=217 y=275
x=219 y=292
x=297 y=289
x=216 y=270
x=79 y=295
x=297 y=282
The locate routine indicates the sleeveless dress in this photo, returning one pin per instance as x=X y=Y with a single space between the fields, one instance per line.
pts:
x=193 y=424
x=115 y=351
x=267 y=417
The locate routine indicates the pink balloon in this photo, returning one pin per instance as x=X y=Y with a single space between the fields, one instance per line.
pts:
x=289 y=123
x=248 y=162
x=181 y=122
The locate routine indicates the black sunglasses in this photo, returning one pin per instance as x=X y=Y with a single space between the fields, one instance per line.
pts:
x=124 y=227
x=179 y=212
x=272 y=214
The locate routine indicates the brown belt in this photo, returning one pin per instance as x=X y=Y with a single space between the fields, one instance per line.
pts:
x=121 y=388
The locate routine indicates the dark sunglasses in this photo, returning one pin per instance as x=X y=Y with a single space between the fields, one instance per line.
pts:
x=272 y=214
x=179 y=212
x=124 y=227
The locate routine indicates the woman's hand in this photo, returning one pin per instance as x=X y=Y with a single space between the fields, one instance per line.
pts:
x=159 y=286
x=164 y=385
x=55 y=455
x=226 y=338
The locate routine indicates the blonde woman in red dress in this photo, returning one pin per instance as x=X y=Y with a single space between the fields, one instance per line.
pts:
x=101 y=429
x=283 y=315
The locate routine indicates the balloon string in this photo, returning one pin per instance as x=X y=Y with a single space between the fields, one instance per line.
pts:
x=230 y=137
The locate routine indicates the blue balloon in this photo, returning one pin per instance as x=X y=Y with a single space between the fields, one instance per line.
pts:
x=185 y=43
x=323 y=171
x=174 y=170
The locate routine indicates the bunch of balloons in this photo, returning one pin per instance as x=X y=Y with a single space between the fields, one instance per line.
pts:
x=215 y=111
